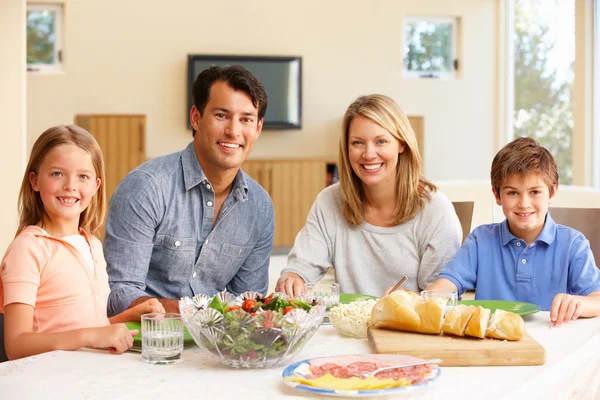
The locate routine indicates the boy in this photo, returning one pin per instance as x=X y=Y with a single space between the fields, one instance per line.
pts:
x=527 y=257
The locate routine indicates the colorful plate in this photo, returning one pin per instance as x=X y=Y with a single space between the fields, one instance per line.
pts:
x=516 y=307
x=346 y=298
x=137 y=339
x=302 y=367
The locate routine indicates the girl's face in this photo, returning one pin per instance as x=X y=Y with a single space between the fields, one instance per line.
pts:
x=373 y=152
x=66 y=181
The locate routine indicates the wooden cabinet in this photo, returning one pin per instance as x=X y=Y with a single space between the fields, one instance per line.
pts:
x=293 y=186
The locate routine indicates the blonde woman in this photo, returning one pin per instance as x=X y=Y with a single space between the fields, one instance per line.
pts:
x=383 y=220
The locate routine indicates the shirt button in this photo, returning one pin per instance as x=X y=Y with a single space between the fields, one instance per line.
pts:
x=177 y=243
x=99 y=315
x=524 y=261
x=209 y=203
x=95 y=296
x=206 y=242
x=519 y=244
x=208 y=186
x=194 y=275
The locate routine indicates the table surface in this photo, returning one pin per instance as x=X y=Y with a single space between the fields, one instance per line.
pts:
x=572 y=371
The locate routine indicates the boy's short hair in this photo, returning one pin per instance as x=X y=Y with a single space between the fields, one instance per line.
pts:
x=521 y=156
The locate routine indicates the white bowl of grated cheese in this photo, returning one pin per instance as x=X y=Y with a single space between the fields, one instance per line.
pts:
x=352 y=319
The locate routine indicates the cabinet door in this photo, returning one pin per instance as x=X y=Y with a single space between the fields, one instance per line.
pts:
x=293 y=186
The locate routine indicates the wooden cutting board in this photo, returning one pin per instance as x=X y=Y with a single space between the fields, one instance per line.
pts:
x=457 y=351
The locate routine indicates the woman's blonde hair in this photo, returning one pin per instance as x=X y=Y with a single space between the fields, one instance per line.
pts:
x=410 y=183
x=31 y=208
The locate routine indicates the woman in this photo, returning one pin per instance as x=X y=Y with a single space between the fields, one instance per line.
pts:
x=383 y=220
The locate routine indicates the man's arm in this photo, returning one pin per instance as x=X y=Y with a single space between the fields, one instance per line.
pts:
x=254 y=273
x=134 y=213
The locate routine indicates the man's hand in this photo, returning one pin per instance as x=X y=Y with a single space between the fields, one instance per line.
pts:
x=290 y=283
x=148 y=306
x=565 y=308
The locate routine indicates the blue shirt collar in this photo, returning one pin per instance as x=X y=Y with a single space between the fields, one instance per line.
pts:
x=547 y=235
x=193 y=174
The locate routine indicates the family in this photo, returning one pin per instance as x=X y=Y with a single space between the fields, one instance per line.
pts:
x=193 y=222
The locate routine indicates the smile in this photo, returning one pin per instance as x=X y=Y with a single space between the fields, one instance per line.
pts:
x=229 y=145
x=525 y=214
x=68 y=200
x=372 y=167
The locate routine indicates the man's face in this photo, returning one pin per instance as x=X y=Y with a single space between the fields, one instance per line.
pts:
x=524 y=200
x=226 y=131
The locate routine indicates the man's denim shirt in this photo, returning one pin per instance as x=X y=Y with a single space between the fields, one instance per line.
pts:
x=159 y=238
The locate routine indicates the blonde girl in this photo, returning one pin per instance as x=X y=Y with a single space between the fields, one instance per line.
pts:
x=53 y=281
x=383 y=220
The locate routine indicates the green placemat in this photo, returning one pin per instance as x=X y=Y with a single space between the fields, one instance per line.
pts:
x=346 y=298
x=137 y=339
x=516 y=307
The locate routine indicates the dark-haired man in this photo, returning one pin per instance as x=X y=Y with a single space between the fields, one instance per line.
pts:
x=193 y=222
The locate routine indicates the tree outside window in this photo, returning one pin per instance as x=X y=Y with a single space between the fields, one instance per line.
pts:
x=43 y=36
x=429 y=47
x=544 y=55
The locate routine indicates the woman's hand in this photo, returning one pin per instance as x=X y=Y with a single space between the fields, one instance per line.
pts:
x=565 y=308
x=116 y=338
x=290 y=283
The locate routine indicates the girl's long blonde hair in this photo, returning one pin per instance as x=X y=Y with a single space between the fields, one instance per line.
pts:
x=31 y=208
x=410 y=183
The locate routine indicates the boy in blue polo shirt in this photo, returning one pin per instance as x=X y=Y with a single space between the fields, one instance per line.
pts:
x=527 y=257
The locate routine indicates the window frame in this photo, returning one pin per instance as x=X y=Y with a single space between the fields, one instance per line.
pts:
x=453 y=74
x=58 y=10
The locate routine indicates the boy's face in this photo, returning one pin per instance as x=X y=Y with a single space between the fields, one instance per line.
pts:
x=524 y=200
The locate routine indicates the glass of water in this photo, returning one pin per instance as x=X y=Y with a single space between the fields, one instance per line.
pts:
x=325 y=293
x=162 y=338
x=449 y=295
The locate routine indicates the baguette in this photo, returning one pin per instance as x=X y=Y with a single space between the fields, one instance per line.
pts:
x=506 y=325
x=407 y=311
x=478 y=323
x=456 y=320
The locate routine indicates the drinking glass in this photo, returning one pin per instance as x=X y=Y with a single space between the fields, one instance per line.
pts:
x=162 y=338
x=450 y=295
x=326 y=293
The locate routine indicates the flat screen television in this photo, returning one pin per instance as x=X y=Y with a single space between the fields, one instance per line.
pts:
x=281 y=77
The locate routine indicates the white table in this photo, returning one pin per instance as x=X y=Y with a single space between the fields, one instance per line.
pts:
x=572 y=371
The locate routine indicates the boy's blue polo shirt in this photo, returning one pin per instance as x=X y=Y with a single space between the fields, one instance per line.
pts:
x=501 y=267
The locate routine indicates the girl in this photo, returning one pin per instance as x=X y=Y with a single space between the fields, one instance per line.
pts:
x=383 y=220
x=53 y=281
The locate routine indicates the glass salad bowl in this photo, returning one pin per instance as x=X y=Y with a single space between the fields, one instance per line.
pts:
x=250 y=331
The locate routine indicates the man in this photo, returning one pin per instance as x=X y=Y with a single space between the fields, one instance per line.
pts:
x=193 y=222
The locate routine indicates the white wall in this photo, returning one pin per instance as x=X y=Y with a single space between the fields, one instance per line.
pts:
x=130 y=57
x=12 y=114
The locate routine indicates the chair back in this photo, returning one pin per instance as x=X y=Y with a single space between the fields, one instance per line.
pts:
x=464 y=211
x=585 y=220
x=3 y=356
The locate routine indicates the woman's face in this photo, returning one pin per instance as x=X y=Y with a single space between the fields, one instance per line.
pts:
x=373 y=152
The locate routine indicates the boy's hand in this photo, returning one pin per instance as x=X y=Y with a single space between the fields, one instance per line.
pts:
x=116 y=338
x=565 y=308
x=146 y=307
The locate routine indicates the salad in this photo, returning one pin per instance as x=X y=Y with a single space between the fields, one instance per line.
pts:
x=251 y=330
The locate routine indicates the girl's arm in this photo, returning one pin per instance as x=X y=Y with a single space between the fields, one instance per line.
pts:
x=20 y=340
x=134 y=313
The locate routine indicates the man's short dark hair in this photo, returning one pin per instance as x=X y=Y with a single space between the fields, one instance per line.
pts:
x=236 y=77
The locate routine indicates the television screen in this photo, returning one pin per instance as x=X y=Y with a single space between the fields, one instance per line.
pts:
x=281 y=76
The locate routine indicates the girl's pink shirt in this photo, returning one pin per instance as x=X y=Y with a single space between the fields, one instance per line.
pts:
x=50 y=274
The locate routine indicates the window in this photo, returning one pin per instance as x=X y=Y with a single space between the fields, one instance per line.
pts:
x=430 y=47
x=44 y=37
x=544 y=55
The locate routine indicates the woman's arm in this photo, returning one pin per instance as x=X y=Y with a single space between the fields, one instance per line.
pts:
x=20 y=340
